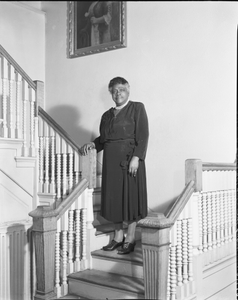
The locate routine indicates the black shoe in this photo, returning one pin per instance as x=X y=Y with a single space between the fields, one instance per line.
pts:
x=113 y=245
x=126 y=248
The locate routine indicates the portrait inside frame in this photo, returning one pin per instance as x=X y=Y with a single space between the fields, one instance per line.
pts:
x=95 y=26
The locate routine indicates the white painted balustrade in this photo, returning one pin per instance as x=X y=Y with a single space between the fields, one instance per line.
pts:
x=61 y=166
x=17 y=105
x=71 y=246
x=207 y=222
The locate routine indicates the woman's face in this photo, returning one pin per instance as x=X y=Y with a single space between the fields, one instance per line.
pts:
x=120 y=94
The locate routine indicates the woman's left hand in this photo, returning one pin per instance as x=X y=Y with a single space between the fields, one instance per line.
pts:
x=134 y=165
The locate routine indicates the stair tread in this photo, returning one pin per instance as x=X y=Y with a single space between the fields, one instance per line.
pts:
x=134 y=257
x=107 y=279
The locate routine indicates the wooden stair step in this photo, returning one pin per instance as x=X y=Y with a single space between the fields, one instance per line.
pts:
x=129 y=264
x=92 y=283
x=134 y=257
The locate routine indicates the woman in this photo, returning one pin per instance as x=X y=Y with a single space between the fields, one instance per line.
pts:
x=123 y=137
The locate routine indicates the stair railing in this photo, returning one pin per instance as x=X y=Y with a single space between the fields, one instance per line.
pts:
x=201 y=219
x=62 y=223
x=18 y=98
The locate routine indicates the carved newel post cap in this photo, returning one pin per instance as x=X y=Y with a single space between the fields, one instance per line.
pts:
x=44 y=218
x=155 y=220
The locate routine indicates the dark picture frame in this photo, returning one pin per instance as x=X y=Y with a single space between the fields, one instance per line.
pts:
x=86 y=36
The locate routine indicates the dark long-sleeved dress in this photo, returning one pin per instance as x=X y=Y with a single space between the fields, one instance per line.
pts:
x=123 y=135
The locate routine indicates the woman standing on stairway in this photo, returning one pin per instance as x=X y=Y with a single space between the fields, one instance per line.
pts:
x=123 y=136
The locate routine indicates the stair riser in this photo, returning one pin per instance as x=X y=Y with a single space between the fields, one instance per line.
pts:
x=91 y=291
x=118 y=267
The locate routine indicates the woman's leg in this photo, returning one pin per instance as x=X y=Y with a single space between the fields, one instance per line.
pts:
x=130 y=237
x=119 y=232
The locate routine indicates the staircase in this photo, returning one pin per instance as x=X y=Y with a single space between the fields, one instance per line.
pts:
x=113 y=277
x=187 y=254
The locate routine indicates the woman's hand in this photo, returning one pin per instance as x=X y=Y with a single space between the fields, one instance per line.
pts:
x=95 y=21
x=86 y=147
x=134 y=165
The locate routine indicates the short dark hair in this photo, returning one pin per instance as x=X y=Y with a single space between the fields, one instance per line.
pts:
x=117 y=80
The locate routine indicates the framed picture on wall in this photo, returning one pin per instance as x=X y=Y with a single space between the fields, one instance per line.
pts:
x=95 y=26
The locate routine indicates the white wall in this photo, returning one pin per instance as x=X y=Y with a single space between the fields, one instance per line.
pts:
x=22 y=35
x=180 y=61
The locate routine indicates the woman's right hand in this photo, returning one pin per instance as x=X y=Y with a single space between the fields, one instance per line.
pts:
x=86 y=147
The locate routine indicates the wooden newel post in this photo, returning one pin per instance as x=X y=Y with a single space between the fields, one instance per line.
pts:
x=44 y=230
x=193 y=171
x=155 y=241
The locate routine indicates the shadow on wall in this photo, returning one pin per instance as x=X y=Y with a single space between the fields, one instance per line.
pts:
x=68 y=117
x=164 y=207
x=18 y=265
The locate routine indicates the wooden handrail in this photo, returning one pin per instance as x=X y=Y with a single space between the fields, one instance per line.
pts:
x=17 y=67
x=43 y=114
x=207 y=166
x=180 y=202
x=48 y=212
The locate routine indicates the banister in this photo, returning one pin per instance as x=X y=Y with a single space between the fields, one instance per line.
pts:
x=195 y=167
x=44 y=212
x=43 y=114
x=17 y=67
x=44 y=228
x=207 y=166
x=181 y=201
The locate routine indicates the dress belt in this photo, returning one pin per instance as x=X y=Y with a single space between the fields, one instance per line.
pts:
x=120 y=141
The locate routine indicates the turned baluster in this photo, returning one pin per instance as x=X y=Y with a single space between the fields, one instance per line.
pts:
x=77 y=239
x=185 y=250
x=64 y=263
x=213 y=215
x=57 y=261
x=200 y=222
x=221 y=217
x=4 y=96
x=71 y=171
x=11 y=133
x=70 y=238
x=41 y=163
x=229 y=222
x=218 y=219
x=225 y=209
x=84 y=237
x=18 y=79
x=52 y=164
x=231 y=215
x=179 y=252
x=64 y=252
x=209 y=221
x=58 y=175
x=32 y=98
x=204 y=221
x=47 y=158
x=190 y=249
x=64 y=169
x=234 y=213
x=25 y=98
